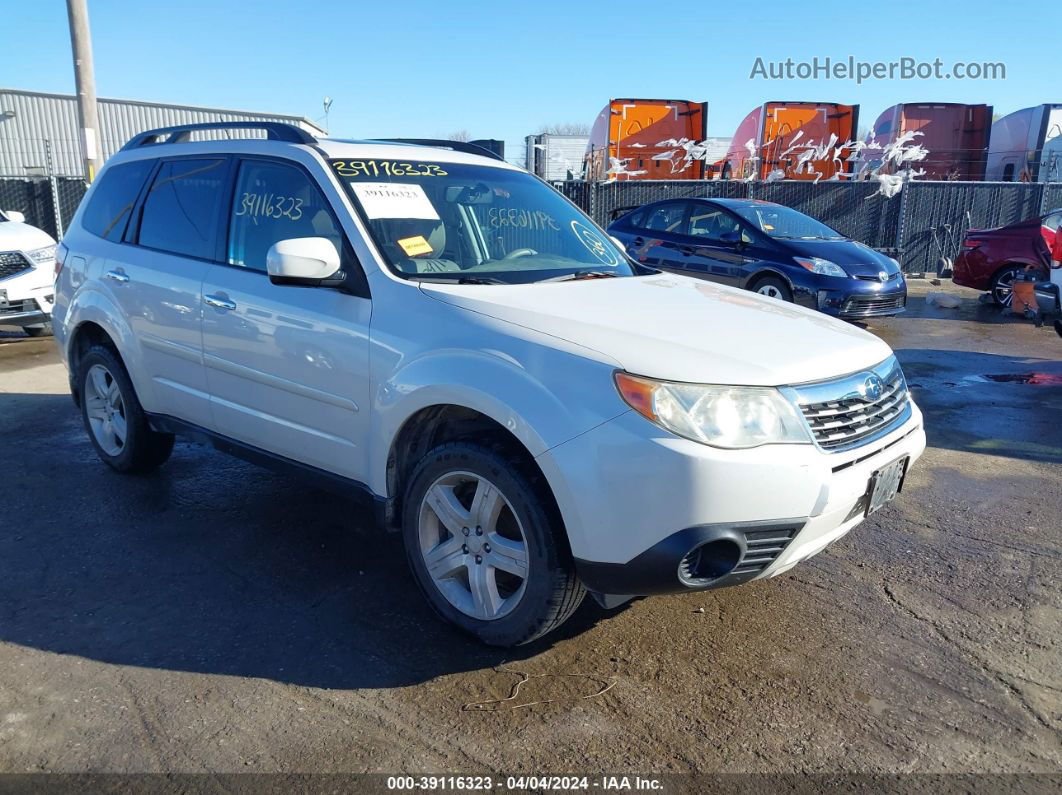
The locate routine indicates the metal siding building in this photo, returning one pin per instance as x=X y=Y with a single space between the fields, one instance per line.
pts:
x=556 y=157
x=31 y=122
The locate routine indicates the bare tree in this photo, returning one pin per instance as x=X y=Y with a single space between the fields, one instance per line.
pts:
x=565 y=128
x=458 y=135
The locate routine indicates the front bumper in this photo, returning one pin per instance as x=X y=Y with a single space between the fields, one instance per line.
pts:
x=25 y=311
x=635 y=500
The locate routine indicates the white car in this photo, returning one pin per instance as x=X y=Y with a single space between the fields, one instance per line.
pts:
x=448 y=336
x=27 y=272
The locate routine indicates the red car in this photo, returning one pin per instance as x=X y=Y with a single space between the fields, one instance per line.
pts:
x=990 y=258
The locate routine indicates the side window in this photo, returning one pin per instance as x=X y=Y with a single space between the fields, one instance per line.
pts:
x=181 y=210
x=275 y=202
x=713 y=224
x=666 y=218
x=113 y=198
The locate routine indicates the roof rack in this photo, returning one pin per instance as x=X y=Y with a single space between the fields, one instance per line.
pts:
x=442 y=143
x=275 y=131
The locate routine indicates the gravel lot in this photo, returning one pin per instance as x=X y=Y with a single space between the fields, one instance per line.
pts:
x=217 y=617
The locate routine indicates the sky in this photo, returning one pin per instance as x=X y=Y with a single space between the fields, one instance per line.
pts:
x=410 y=68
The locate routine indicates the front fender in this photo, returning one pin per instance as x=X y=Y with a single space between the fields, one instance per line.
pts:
x=542 y=413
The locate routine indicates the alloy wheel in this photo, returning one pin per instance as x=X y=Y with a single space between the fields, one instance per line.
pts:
x=473 y=545
x=1003 y=289
x=105 y=410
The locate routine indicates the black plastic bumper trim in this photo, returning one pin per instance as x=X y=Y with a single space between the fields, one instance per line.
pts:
x=656 y=570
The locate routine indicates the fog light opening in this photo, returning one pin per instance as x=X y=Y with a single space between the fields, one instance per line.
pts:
x=709 y=562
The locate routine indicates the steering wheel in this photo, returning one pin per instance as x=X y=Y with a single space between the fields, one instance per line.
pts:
x=520 y=252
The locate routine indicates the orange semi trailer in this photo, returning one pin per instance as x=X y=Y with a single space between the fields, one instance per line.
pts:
x=955 y=135
x=639 y=130
x=776 y=127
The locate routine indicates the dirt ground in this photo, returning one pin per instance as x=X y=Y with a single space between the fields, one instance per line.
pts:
x=217 y=617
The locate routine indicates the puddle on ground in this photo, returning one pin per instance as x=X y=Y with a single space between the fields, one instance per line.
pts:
x=1036 y=379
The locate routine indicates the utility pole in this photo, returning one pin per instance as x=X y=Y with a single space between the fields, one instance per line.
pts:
x=85 y=80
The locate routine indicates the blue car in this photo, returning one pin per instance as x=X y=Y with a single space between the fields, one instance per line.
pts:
x=767 y=248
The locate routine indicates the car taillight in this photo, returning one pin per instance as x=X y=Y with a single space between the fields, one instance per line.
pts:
x=60 y=258
x=971 y=244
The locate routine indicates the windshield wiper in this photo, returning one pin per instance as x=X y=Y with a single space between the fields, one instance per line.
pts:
x=580 y=275
x=460 y=280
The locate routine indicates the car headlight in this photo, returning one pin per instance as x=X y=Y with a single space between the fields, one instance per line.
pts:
x=720 y=416
x=821 y=266
x=39 y=255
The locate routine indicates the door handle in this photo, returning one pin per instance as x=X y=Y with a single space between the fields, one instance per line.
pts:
x=116 y=276
x=218 y=302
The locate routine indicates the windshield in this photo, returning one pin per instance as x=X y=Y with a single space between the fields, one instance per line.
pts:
x=476 y=224
x=785 y=223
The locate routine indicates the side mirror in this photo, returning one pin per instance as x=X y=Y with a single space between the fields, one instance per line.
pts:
x=304 y=262
x=12 y=215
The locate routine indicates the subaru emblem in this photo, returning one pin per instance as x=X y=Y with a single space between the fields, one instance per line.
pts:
x=872 y=387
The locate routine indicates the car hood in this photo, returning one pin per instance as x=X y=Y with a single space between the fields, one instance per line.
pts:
x=677 y=328
x=15 y=236
x=855 y=258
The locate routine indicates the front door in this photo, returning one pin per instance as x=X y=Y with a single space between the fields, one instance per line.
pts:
x=716 y=246
x=287 y=367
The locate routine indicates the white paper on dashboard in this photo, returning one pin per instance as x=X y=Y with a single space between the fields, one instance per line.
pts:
x=394 y=200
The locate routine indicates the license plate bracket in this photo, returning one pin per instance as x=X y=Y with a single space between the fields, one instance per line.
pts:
x=885 y=484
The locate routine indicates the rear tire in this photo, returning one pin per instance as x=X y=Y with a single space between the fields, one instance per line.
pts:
x=115 y=421
x=43 y=330
x=773 y=287
x=463 y=498
x=1001 y=289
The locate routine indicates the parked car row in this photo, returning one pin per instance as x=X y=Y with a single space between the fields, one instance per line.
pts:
x=539 y=414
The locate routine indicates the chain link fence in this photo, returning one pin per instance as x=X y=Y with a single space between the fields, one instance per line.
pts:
x=926 y=221
x=47 y=202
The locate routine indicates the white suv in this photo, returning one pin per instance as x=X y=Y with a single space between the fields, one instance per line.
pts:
x=449 y=336
x=27 y=271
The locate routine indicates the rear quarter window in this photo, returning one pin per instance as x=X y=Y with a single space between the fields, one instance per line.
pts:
x=111 y=203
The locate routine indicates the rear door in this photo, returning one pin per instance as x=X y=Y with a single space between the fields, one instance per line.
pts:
x=157 y=280
x=660 y=234
x=287 y=367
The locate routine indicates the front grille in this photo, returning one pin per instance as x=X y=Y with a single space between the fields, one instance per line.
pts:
x=872 y=305
x=762 y=548
x=11 y=262
x=842 y=415
x=873 y=277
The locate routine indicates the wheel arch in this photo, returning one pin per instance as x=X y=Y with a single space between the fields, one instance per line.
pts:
x=765 y=273
x=440 y=423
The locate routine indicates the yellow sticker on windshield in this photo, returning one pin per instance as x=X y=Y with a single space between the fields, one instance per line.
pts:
x=415 y=246
x=767 y=227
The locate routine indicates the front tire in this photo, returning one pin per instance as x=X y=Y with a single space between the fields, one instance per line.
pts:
x=773 y=287
x=484 y=547
x=115 y=421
